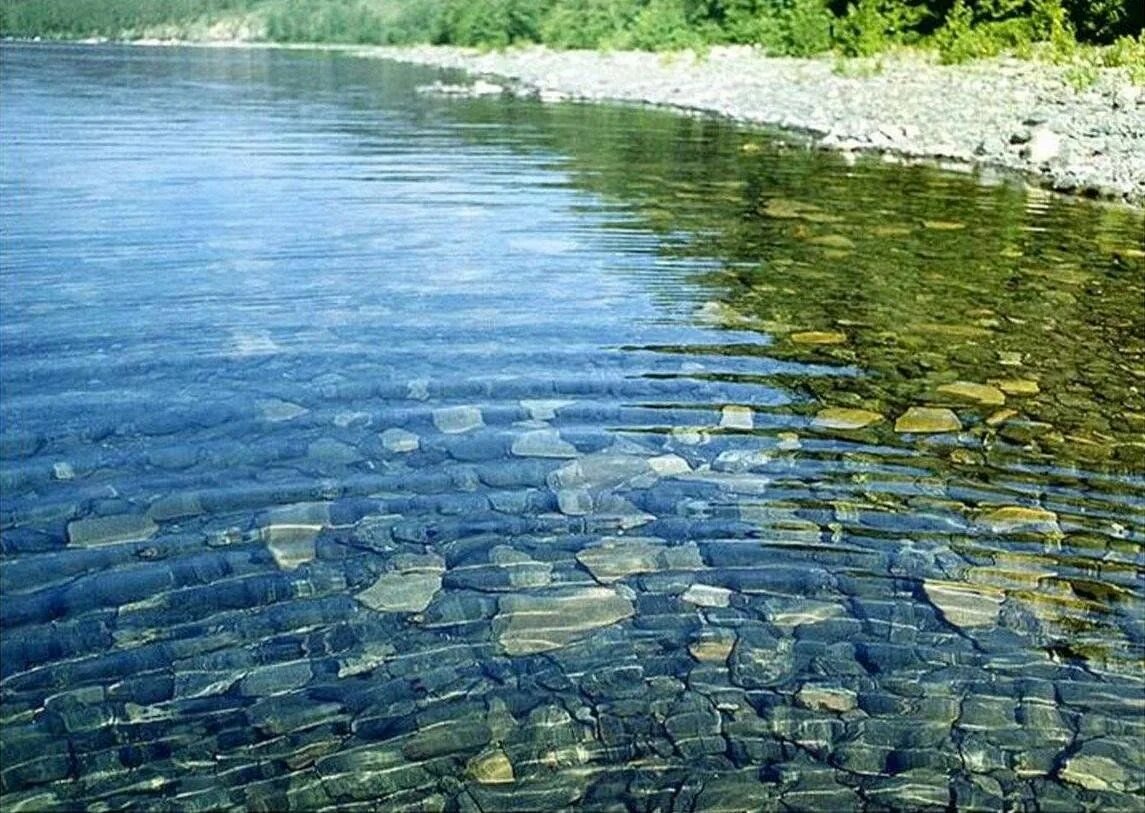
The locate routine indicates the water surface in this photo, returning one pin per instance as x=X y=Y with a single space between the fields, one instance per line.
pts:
x=368 y=449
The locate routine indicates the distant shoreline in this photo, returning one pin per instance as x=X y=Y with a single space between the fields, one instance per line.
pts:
x=1020 y=117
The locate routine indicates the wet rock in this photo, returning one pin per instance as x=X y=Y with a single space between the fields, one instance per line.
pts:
x=400 y=441
x=844 y=418
x=601 y=470
x=490 y=768
x=822 y=337
x=912 y=791
x=668 y=465
x=543 y=443
x=927 y=420
x=277 y=411
x=734 y=416
x=333 y=452
x=964 y=605
x=175 y=506
x=544 y=409
x=705 y=595
x=694 y=728
x=458 y=419
x=1094 y=767
x=63 y=471
x=1017 y=386
x=291 y=545
x=110 y=530
x=712 y=648
x=448 y=737
x=826 y=698
x=1012 y=518
x=276 y=678
x=614 y=558
x=574 y=502
x=527 y=624
x=978 y=393
x=408 y=589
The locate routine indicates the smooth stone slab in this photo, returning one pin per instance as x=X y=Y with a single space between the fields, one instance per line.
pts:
x=1021 y=518
x=175 y=506
x=401 y=592
x=1020 y=387
x=820 y=337
x=110 y=530
x=542 y=443
x=705 y=595
x=574 y=502
x=601 y=470
x=928 y=420
x=400 y=441
x=544 y=409
x=845 y=418
x=1100 y=773
x=620 y=556
x=826 y=698
x=490 y=768
x=527 y=624
x=964 y=605
x=277 y=411
x=666 y=465
x=291 y=545
x=970 y=391
x=734 y=416
x=711 y=650
x=458 y=419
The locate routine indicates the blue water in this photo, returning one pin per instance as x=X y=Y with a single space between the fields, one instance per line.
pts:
x=318 y=391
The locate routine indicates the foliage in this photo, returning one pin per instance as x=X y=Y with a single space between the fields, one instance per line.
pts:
x=958 y=29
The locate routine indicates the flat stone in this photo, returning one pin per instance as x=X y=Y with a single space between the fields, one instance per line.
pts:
x=543 y=443
x=277 y=411
x=964 y=605
x=1017 y=386
x=836 y=241
x=291 y=545
x=617 y=557
x=928 y=420
x=458 y=419
x=666 y=465
x=276 y=678
x=401 y=592
x=490 y=768
x=826 y=698
x=734 y=416
x=335 y=452
x=175 y=506
x=1011 y=518
x=819 y=337
x=527 y=624
x=599 y=471
x=1096 y=773
x=544 y=409
x=574 y=502
x=705 y=595
x=712 y=650
x=845 y=418
x=400 y=441
x=110 y=530
x=978 y=393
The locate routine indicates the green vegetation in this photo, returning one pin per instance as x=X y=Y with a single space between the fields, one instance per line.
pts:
x=957 y=29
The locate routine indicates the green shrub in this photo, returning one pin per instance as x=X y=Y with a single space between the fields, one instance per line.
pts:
x=662 y=25
x=588 y=23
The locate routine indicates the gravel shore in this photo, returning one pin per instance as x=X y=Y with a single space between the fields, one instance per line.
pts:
x=1020 y=116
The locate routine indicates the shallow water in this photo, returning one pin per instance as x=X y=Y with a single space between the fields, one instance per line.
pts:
x=368 y=449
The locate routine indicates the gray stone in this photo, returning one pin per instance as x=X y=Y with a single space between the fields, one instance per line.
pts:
x=110 y=530
x=538 y=623
x=276 y=678
x=614 y=558
x=399 y=441
x=542 y=443
x=402 y=592
x=458 y=419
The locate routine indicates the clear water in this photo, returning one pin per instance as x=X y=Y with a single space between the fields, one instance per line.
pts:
x=364 y=449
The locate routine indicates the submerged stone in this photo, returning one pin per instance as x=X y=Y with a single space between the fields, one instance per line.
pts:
x=543 y=443
x=667 y=465
x=458 y=419
x=490 y=768
x=410 y=589
x=110 y=530
x=705 y=595
x=970 y=391
x=277 y=411
x=964 y=605
x=527 y=624
x=734 y=416
x=819 y=337
x=836 y=241
x=928 y=420
x=620 y=556
x=333 y=452
x=400 y=441
x=845 y=418
x=1017 y=386
x=826 y=698
x=1021 y=518
x=1101 y=773
x=291 y=545
x=544 y=409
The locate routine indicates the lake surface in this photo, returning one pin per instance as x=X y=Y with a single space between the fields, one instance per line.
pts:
x=366 y=449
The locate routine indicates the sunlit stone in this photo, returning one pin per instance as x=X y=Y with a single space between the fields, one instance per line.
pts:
x=826 y=698
x=458 y=419
x=1001 y=416
x=819 y=337
x=544 y=409
x=1095 y=773
x=970 y=391
x=110 y=530
x=835 y=241
x=538 y=623
x=928 y=420
x=400 y=441
x=543 y=443
x=666 y=465
x=711 y=650
x=705 y=595
x=620 y=556
x=490 y=768
x=964 y=605
x=845 y=418
x=1017 y=386
x=401 y=592
x=291 y=545
x=63 y=471
x=734 y=416
x=1021 y=518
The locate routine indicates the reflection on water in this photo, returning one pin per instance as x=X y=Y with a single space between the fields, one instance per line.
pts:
x=364 y=449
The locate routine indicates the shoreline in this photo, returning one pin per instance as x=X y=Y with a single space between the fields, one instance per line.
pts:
x=1022 y=118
